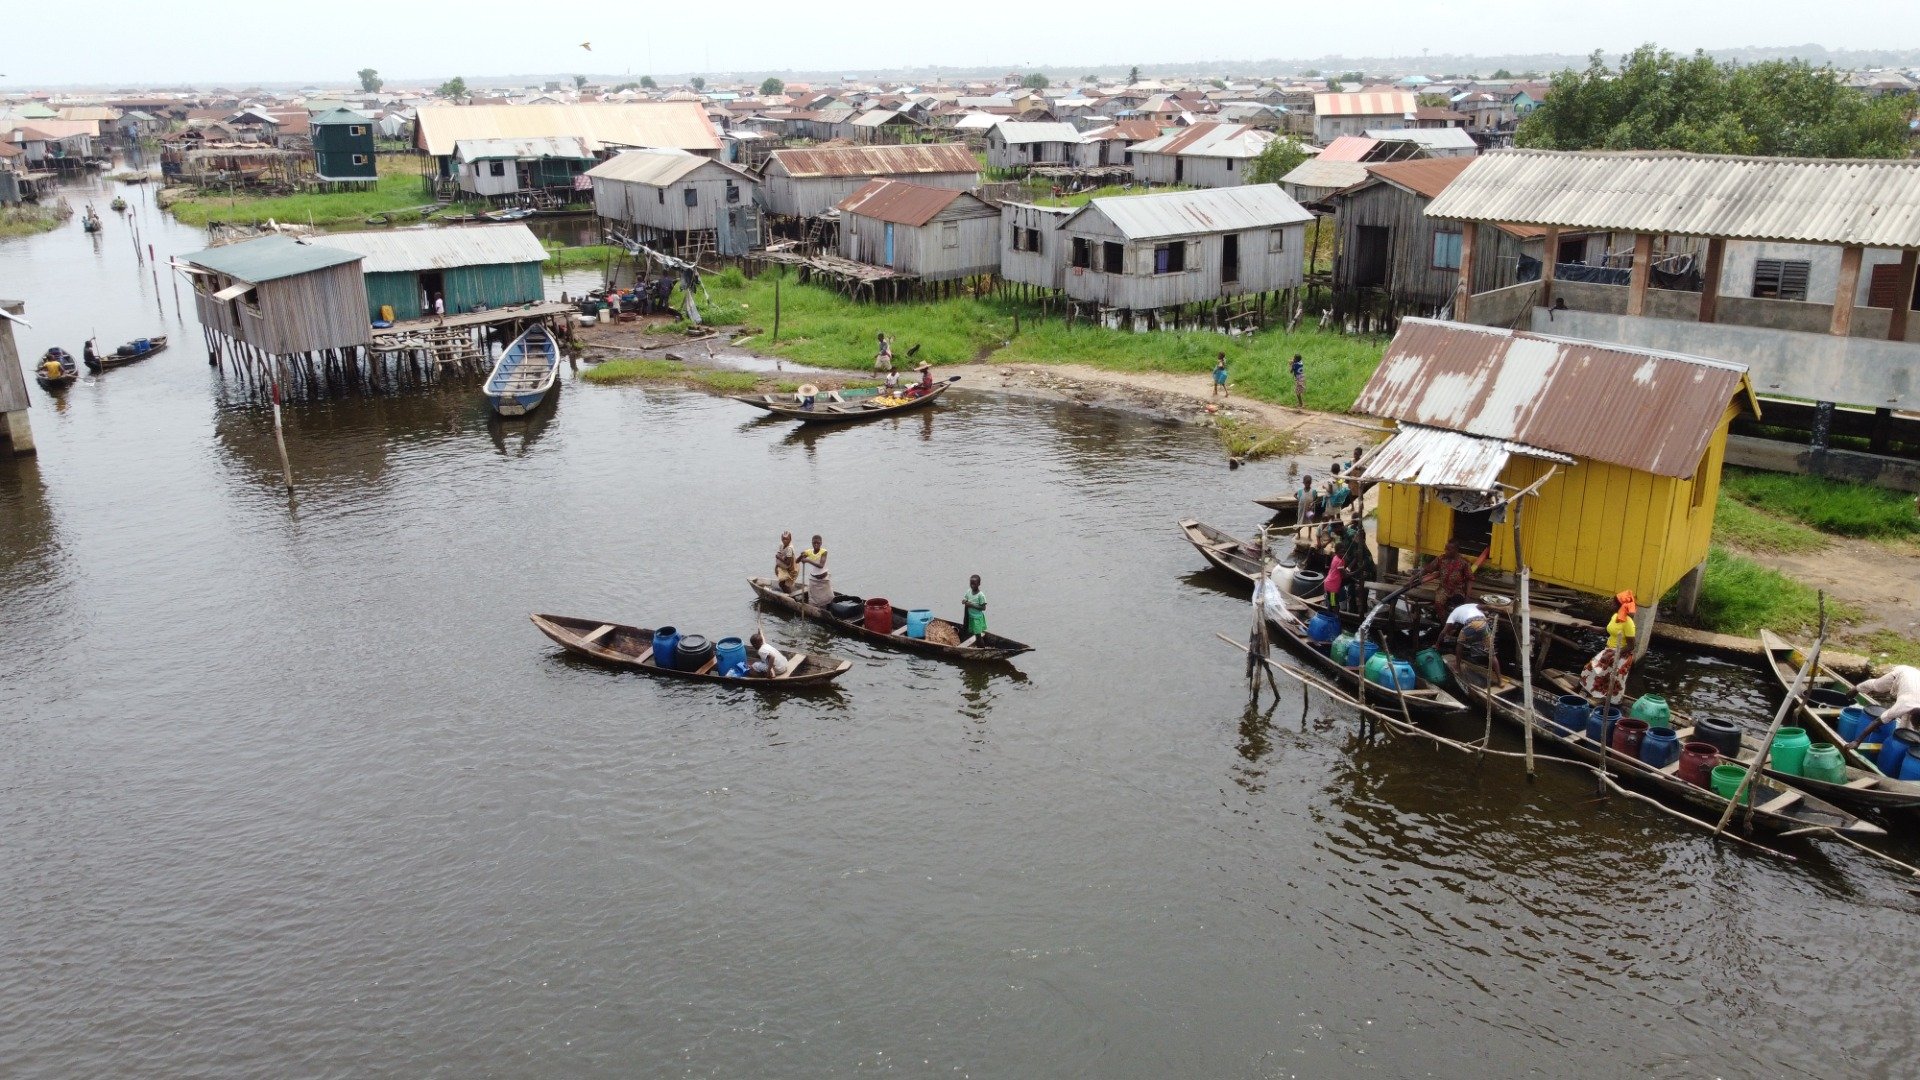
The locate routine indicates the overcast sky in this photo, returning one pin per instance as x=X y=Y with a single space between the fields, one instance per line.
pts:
x=138 y=42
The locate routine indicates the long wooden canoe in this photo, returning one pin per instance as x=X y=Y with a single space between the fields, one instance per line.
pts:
x=631 y=647
x=984 y=647
x=1819 y=719
x=1863 y=789
x=1425 y=699
x=1240 y=558
x=525 y=372
x=1777 y=806
x=827 y=411
x=128 y=353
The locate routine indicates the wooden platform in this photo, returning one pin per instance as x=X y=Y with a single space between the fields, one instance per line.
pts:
x=468 y=319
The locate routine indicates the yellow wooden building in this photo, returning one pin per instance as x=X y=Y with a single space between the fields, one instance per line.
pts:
x=1630 y=443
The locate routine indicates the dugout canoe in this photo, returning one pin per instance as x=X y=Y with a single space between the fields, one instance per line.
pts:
x=1777 y=806
x=1819 y=719
x=847 y=410
x=631 y=647
x=129 y=353
x=1422 y=699
x=524 y=374
x=986 y=647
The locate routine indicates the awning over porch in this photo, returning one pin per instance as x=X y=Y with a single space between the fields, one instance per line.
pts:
x=1437 y=458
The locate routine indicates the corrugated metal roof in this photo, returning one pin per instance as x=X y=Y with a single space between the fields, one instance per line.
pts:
x=1015 y=131
x=1391 y=103
x=1651 y=411
x=1838 y=201
x=338 y=116
x=654 y=168
x=1209 y=210
x=541 y=146
x=977 y=121
x=900 y=202
x=1451 y=138
x=1321 y=173
x=270 y=258
x=680 y=125
x=1347 y=148
x=1435 y=457
x=878 y=160
x=396 y=251
x=1209 y=140
x=1422 y=176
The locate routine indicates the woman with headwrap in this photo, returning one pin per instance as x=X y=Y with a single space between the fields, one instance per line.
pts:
x=1605 y=676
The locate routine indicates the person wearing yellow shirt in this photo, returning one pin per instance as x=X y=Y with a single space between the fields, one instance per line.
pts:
x=1605 y=676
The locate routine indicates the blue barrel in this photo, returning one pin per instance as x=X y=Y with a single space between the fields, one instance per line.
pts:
x=1359 y=654
x=666 y=645
x=1893 y=751
x=1659 y=747
x=731 y=653
x=1910 y=765
x=1395 y=675
x=1323 y=627
x=1570 y=714
x=1853 y=720
x=1600 y=721
x=917 y=620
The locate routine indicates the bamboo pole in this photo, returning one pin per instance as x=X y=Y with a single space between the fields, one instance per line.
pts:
x=1779 y=717
x=1526 y=633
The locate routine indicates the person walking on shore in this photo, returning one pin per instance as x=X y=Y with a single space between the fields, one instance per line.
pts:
x=1220 y=377
x=1299 y=369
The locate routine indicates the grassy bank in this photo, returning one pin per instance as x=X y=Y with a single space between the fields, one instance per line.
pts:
x=1739 y=596
x=28 y=219
x=824 y=329
x=725 y=382
x=390 y=193
x=1830 y=506
x=562 y=257
x=1744 y=526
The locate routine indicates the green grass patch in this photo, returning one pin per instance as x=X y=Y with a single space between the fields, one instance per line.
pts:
x=645 y=369
x=1252 y=442
x=28 y=219
x=633 y=370
x=562 y=257
x=1736 y=523
x=822 y=328
x=729 y=382
x=1886 y=647
x=1739 y=596
x=398 y=188
x=1831 y=506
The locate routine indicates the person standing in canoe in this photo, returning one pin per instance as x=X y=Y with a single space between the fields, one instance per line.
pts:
x=819 y=582
x=1452 y=575
x=786 y=565
x=975 y=605
x=1605 y=676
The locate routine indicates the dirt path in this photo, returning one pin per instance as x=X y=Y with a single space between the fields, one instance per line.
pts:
x=1883 y=581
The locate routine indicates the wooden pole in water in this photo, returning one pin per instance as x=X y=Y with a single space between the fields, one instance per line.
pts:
x=1793 y=694
x=1526 y=633
x=279 y=436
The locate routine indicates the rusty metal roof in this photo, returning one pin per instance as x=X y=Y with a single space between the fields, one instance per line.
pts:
x=1347 y=148
x=876 y=161
x=901 y=202
x=1426 y=177
x=1389 y=103
x=1873 y=203
x=1650 y=411
x=1190 y=213
x=1208 y=140
x=1435 y=457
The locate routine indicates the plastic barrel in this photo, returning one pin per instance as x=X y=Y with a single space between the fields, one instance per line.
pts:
x=1309 y=583
x=1659 y=747
x=1824 y=762
x=1723 y=734
x=1828 y=698
x=1570 y=713
x=1726 y=778
x=880 y=615
x=666 y=645
x=1697 y=760
x=692 y=653
x=1853 y=720
x=732 y=653
x=1893 y=751
x=1323 y=627
x=1628 y=734
x=1384 y=670
x=1364 y=651
x=1895 y=748
x=1340 y=647
x=1789 y=753
x=1600 y=722
x=1433 y=668
x=1910 y=766
x=848 y=608
x=1653 y=709
x=917 y=620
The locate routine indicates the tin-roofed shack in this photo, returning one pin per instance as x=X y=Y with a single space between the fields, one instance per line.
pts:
x=807 y=183
x=934 y=234
x=1140 y=253
x=1634 y=438
x=690 y=203
x=280 y=296
x=473 y=268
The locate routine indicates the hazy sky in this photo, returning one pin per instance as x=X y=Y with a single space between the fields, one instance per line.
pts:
x=138 y=42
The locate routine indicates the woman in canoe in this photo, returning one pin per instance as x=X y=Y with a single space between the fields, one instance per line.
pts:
x=819 y=582
x=1605 y=676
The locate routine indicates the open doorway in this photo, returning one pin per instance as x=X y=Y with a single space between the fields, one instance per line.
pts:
x=1472 y=531
x=1371 y=244
x=432 y=284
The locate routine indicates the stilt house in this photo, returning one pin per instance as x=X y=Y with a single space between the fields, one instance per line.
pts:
x=932 y=233
x=1147 y=252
